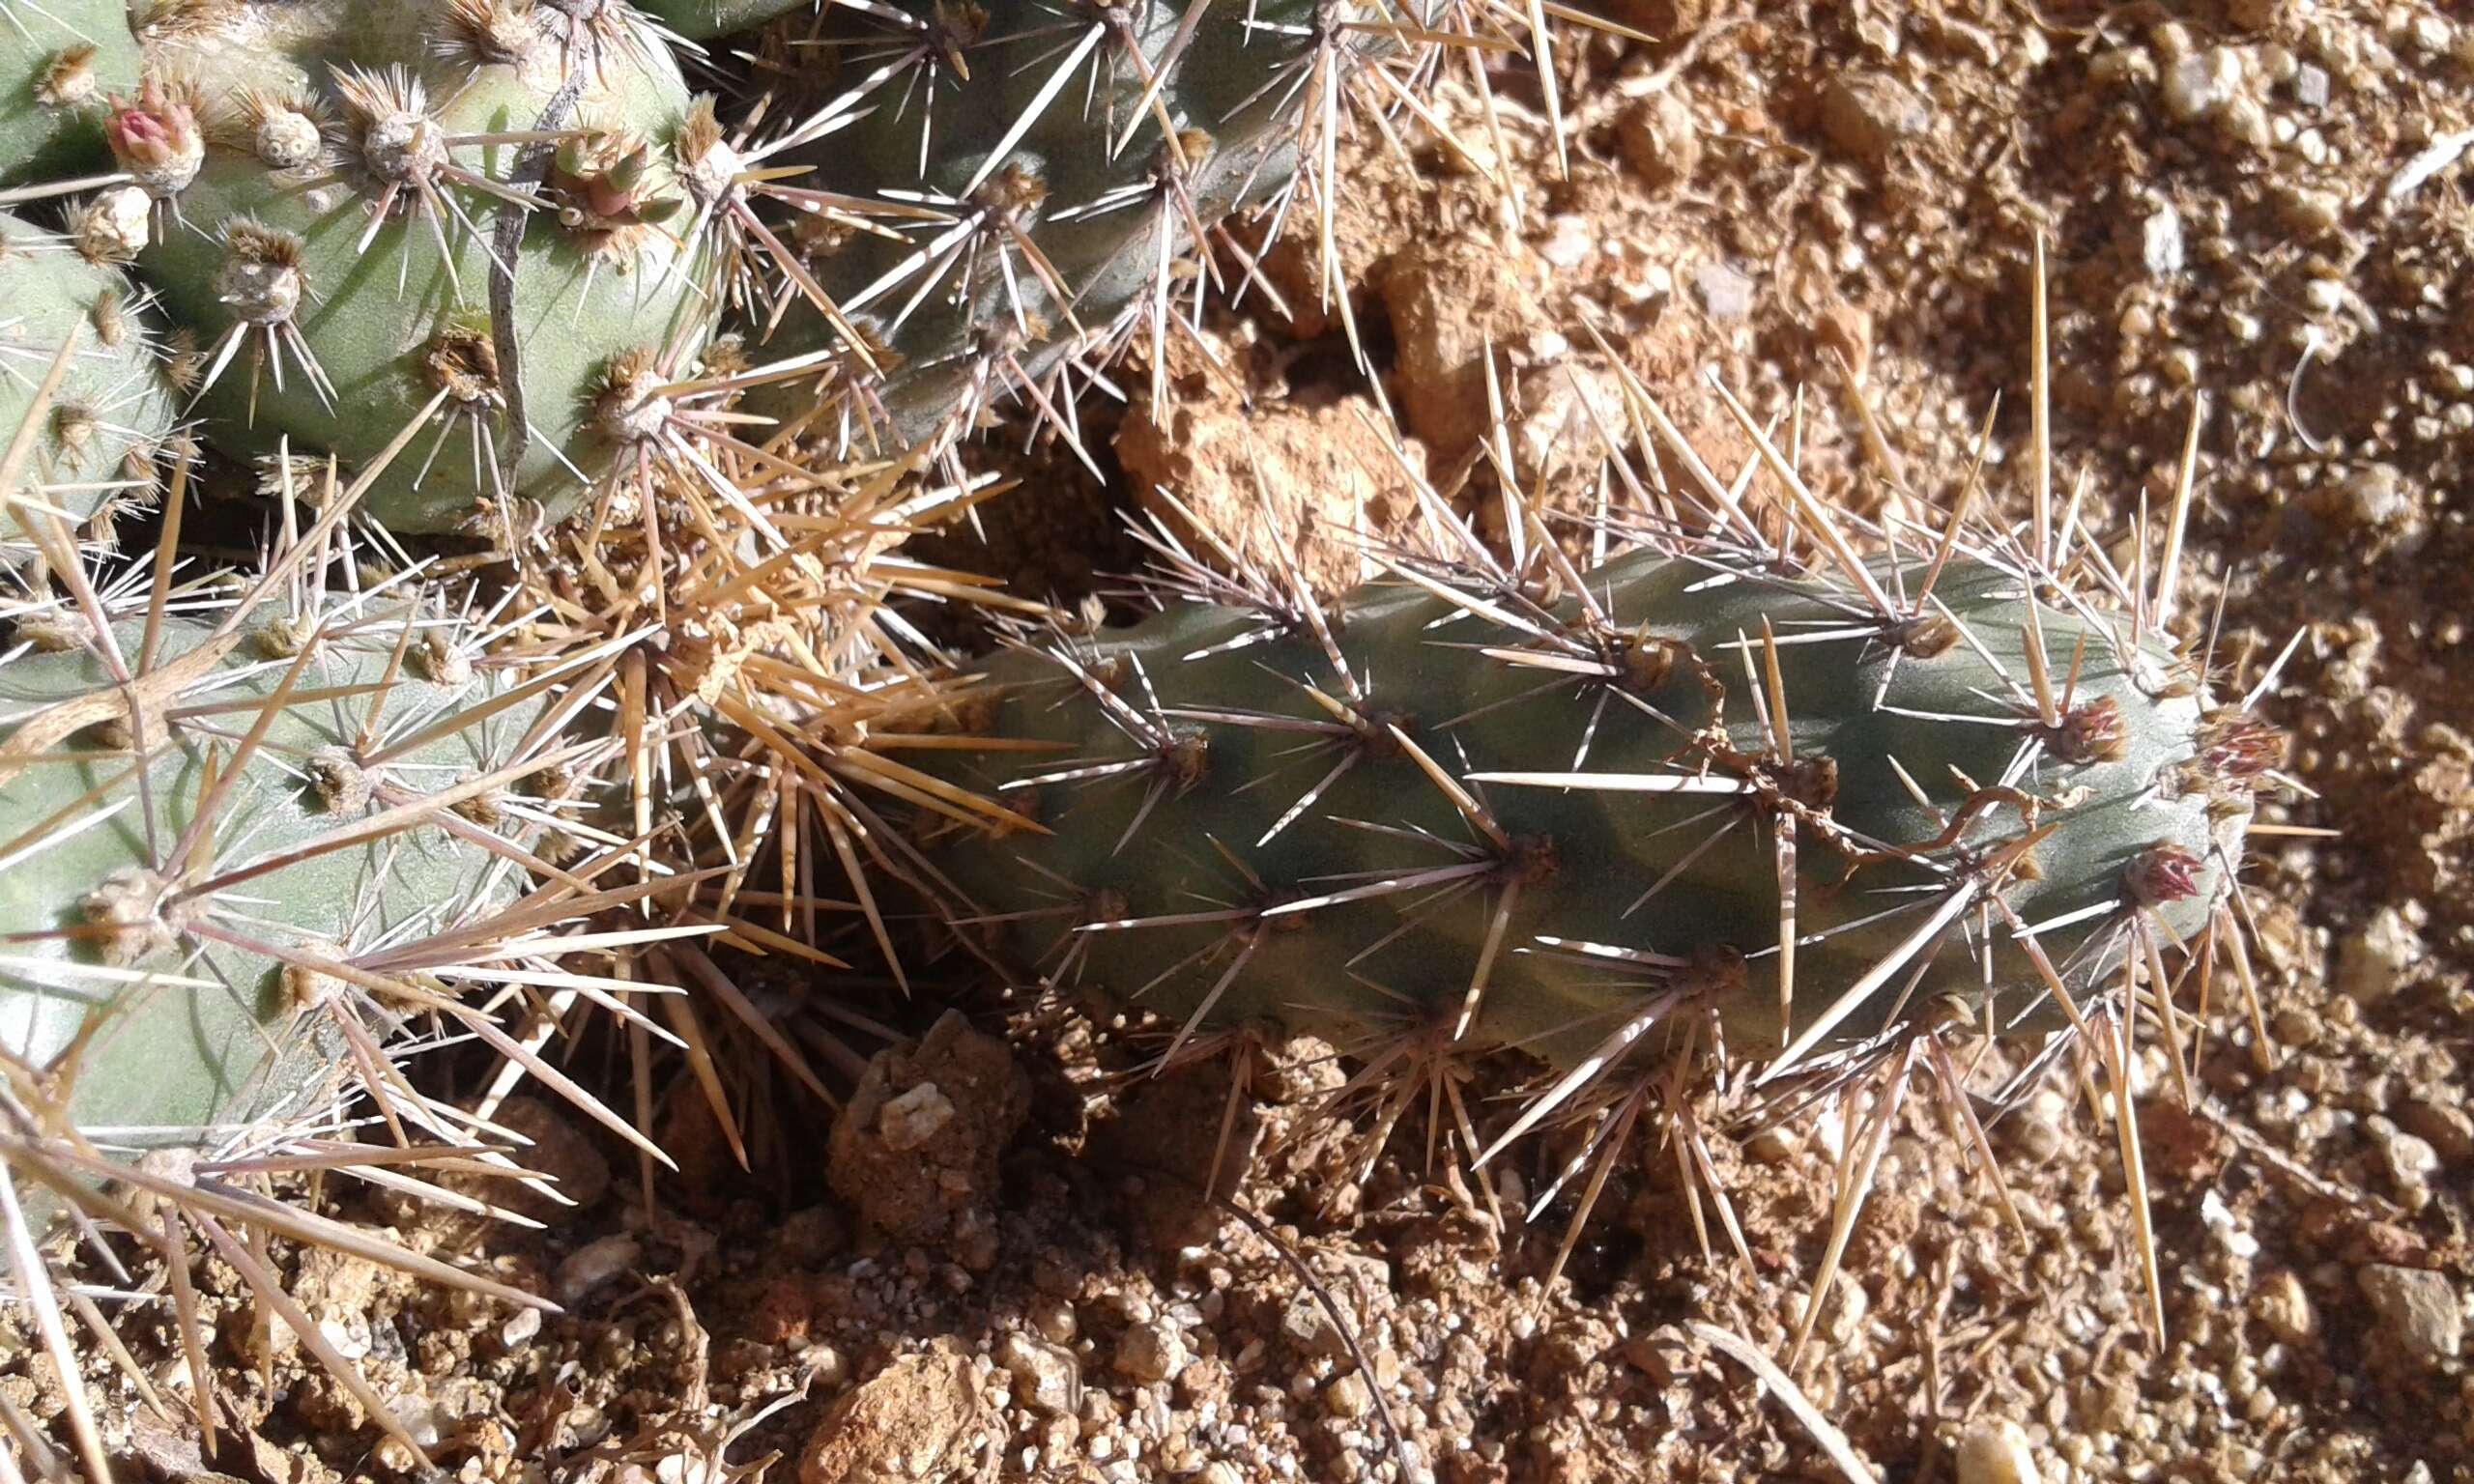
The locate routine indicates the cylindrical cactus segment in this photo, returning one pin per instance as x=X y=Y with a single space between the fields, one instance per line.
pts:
x=1042 y=171
x=1533 y=824
x=345 y=217
x=61 y=62
x=98 y=433
x=154 y=876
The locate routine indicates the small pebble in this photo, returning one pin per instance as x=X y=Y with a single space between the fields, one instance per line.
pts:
x=1350 y=1398
x=1996 y=1453
x=2410 y=1161
x=2246 y=122
x=520 y=1329
x=912 y=1119
x=2417 y=1307
x=2160 y=241
x=2449 y=1130
x=2203 y=82
x=2310 y=212
x=1726 y=293
x=595 y=1264
x=1152 y=1351
x=1055 y=1320
x=348 y=1336
x=1044 y=1376
x=1571 y=242
x=2285 y=1309
x=2374 y=962
x=1308 y=1326
x=419 y=1418
x=824 y=1365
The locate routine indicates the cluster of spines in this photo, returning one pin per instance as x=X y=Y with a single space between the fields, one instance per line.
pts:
x=1028 y=258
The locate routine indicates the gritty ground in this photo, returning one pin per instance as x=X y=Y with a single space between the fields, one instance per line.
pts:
x=2261 y=200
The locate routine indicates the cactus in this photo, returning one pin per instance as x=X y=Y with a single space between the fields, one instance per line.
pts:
x=246 y=846
x=1458 y=803
x=60 y=60
x=255 y=832
x=111 y=405
x=508 y=222
x=291 y=797
x=1038 y=176
x=1708 y=803
x=345 y=186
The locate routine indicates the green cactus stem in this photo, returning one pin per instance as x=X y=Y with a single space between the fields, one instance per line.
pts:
x=346 y=273
x=1812 y=809
x=1040 y=176
x=195 y=905
x=93 y=447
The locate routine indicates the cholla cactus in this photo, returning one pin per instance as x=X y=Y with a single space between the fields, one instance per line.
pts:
x=1784 y=802
x=108 y=404
x=60 y=60
x=1708 y=803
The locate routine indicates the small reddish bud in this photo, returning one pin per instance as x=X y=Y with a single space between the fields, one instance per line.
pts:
x=2238 y=747
x=2161 y=874
x=2094 y=732
x=155 y=138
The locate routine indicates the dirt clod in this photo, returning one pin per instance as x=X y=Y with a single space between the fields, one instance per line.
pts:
x=918 y=1419
x=1452 y=301
x=916 y=1149
x=575 y=1175
x=1284 y=485
x=1866 y=116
